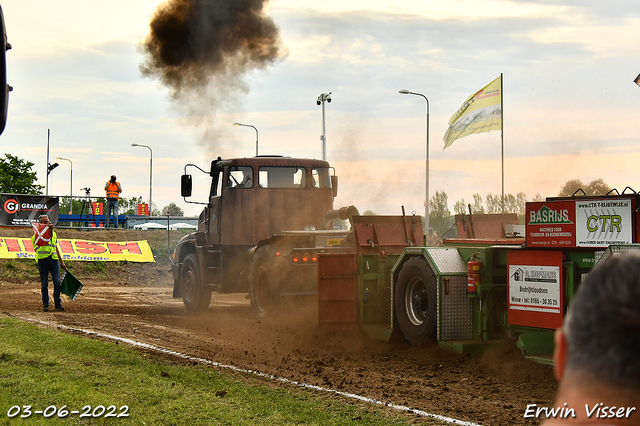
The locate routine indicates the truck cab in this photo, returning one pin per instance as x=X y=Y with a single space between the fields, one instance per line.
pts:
x=250 y=201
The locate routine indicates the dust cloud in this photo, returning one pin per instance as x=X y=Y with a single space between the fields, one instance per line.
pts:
x=202 y=50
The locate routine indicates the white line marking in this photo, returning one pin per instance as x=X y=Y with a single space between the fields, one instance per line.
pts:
x=256 y=373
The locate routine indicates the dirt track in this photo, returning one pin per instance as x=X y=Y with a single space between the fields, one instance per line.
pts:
x=493 y=389
x=135 y=301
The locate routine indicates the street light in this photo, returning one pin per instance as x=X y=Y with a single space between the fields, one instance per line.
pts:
x=426 y=203
x=70 y=184
x=50 y=166
x=321 y=99
x=254 y=128
x=150 y=173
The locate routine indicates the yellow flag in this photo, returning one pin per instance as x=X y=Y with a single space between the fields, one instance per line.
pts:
x=481 y=112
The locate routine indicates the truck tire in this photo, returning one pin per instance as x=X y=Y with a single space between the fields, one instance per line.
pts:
x=261 y=283
x=415 y=301
x=194 y=295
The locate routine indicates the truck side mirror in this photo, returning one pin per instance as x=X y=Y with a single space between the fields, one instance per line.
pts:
x=334 y=185
x=186 y=184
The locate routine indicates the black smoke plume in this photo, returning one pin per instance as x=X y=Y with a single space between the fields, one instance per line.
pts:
x=201 y=50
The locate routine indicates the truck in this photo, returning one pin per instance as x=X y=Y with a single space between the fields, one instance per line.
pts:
x=496 y=280
x=265 y=221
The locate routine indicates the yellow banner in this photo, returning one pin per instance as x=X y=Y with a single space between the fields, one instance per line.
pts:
x=87 y=251
x=481 y=112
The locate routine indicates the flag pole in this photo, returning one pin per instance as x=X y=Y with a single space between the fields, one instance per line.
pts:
x=502 y=137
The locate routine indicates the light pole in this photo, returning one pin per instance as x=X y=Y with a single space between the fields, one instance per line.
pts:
x=254 y=128
x=50 y=166
x=321 y=99
x=150 y=174
x=70 y=184
x=426 y=203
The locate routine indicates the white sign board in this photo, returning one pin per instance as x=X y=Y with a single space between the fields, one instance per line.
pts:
x=534 y=288
x=600 y=223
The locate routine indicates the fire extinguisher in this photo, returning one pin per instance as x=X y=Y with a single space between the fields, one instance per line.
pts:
x=473 y=274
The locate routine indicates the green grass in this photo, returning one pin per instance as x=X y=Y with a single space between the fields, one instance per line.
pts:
x=42 y=367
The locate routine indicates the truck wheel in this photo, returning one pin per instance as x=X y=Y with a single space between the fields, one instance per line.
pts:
x=261 y=283
x=415 y=301
x=194 y=295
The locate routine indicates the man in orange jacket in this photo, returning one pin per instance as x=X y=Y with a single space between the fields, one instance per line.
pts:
x=113 y=189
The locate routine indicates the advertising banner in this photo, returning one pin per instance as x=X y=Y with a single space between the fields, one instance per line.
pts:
x=579 y=223
x=535 y=288
x=22 y=210
x=600 y=223
x=143 y=209
x=88 y=251
x=97 y=208
x=551 y=224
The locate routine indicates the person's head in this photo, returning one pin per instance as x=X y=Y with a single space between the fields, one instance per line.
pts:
x=113 y=178
x=600 y=338
x=44 y=218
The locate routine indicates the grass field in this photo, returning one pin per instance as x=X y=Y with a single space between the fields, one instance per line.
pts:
x=106 y=383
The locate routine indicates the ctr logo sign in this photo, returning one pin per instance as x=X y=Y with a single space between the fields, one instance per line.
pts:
x=11 y=206
x=603 y=222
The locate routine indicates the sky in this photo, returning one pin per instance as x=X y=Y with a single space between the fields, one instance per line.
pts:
x=570 y=104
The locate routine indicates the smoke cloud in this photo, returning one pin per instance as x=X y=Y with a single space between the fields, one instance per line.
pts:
x=201 y=51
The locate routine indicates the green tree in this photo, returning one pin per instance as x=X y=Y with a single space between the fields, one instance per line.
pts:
x=129 y=206
x=172 y=210
x=595 y=187
x=515 y=203
x=16 y=176
x=512 y=204
x=64 y=206
x=494 y=203
x=459 y=207
x=439 y=214
x=477 y=208
x=570 y=187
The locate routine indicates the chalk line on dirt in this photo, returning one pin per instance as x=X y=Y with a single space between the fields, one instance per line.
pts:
x=166 y=351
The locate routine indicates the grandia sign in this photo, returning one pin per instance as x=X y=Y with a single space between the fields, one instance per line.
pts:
x=22 y=210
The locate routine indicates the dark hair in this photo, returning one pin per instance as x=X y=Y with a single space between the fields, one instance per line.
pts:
x=603 y=325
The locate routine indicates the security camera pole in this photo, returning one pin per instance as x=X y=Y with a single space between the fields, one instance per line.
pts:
x=324 y=97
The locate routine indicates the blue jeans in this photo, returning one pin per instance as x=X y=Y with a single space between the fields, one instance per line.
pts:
x=46 y=266
x=111 y=205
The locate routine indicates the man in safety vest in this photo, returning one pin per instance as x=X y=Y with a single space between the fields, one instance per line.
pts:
x=45 y=243
x=113 y=189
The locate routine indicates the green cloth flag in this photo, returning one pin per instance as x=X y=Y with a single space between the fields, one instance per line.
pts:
x=70 y=286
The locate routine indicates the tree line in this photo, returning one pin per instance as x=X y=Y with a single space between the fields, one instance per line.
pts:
x=17 y=177
x=441 y=219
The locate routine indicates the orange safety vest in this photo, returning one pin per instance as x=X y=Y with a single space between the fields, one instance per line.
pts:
x=113 y=190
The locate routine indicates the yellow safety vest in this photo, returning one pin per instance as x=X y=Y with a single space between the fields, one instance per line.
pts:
x=42 y=252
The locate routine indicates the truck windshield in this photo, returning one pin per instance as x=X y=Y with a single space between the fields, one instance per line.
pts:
x=240 y=177
x=321 y=178
x=282 y=177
